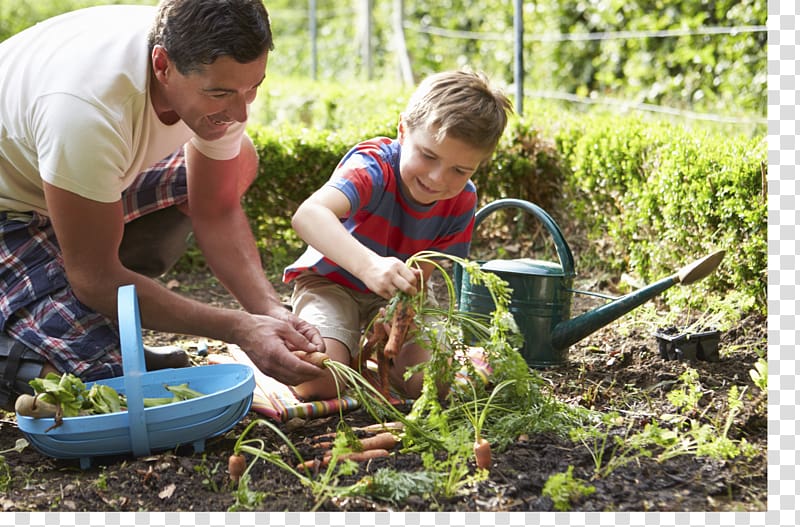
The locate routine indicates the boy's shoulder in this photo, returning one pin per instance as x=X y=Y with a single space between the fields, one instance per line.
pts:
x=382 y=144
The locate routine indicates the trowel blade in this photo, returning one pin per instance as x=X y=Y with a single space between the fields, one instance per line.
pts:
x=701 y=268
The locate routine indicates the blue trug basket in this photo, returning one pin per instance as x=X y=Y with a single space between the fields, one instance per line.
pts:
x=228 y=390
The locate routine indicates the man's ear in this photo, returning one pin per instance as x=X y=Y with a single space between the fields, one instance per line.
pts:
x=161 y=63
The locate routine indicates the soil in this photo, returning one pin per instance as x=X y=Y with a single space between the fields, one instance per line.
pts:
x=604 y=371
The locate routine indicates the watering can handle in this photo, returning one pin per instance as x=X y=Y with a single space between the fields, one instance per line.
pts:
x=564 y=253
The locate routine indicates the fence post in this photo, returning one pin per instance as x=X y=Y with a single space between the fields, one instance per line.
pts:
x=398 y=15
x=365 y=13
x=519 y=70
x=312 y=30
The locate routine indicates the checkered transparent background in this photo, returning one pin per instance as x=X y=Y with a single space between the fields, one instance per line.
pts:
x=783 y=23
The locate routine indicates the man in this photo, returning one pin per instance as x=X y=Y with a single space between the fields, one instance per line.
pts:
x=122 y=130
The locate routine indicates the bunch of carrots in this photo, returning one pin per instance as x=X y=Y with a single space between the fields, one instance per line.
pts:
x=384 y=342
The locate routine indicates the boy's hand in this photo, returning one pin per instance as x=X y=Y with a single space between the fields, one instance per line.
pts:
x=388 y=275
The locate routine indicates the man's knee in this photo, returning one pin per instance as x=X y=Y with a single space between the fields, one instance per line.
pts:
x=153 y=243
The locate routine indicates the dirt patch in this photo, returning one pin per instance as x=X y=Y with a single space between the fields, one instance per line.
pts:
x=617 y=368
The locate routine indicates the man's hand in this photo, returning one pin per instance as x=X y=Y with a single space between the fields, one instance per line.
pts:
x=270 y=344
x=310 y=332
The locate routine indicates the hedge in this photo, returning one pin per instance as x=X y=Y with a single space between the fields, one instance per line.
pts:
x=648 y=196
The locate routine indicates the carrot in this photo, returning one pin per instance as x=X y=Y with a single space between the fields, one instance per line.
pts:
x=384 y=440
x=380 y=427
x=364 y=455
x=383 y=373
x=236 y=466
x=367 y=429
x=376 y=338
x=401 y=321
x=317 y=358
x=483 y=453
x=312 y=465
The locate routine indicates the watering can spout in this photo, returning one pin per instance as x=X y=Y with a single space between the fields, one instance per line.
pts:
x=571 y=331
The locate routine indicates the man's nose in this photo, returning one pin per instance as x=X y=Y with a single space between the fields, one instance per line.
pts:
x=238 y=109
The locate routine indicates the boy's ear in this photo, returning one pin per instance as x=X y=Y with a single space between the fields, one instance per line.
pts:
x=401 y=129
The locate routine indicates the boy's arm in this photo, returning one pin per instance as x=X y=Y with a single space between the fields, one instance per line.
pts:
x=317 y=222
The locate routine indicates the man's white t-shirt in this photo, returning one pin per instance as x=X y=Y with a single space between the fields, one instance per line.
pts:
x=75 y=109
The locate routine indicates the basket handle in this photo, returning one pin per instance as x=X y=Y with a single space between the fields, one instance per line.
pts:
x=133 y=366
x=564 y=253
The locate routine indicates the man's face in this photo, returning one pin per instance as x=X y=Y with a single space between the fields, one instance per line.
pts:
x=211 y=100
x=431 y=170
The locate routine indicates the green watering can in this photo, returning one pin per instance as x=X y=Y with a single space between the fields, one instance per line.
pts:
x=542 y=293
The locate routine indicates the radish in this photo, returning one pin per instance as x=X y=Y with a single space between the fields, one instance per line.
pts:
x=33 y=406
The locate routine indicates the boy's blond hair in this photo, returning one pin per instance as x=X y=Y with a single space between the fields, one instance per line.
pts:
x=462 y=105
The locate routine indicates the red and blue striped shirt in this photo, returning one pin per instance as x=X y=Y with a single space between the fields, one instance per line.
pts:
x=384 y=219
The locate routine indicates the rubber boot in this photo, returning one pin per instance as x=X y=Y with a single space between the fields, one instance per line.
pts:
x=18 y=365
x=161 y=357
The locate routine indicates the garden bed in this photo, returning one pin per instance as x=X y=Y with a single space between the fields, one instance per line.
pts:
x=618 y=368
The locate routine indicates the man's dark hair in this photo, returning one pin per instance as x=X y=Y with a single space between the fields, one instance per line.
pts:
x=195 y=33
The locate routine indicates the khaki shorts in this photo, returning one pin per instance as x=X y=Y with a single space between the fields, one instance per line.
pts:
x=337 y=311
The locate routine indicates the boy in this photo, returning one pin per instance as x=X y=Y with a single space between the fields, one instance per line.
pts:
x=387 y=200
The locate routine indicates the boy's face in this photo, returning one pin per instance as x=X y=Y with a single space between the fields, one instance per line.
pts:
x=431 y=170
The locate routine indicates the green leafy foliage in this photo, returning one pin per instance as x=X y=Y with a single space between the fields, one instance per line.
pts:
x=16 y=16
x=759 y=374
x=717 y=73
x=5 y=471
x=663 y=196
x=70 y=394
x=565 y=489
x=395 y=486
x=722 y=73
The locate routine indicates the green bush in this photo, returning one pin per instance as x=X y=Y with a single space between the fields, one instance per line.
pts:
x=294 y=163
x=648 y=196
x=662 y=196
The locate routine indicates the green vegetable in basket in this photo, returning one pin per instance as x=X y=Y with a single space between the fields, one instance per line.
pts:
x=66 y=392
x=180 y=392
x=69 y=396
x=104 y=399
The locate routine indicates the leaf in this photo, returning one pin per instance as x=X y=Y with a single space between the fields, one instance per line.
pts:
x=66 y=391
x=182 y=392
x=167 y=492
x=104 y=399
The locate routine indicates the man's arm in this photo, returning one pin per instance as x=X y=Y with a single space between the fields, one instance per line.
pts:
x=223 y=233
x=89 y=234
x=222 y=229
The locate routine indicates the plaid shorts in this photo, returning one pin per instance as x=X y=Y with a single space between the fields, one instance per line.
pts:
x=37 y=304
